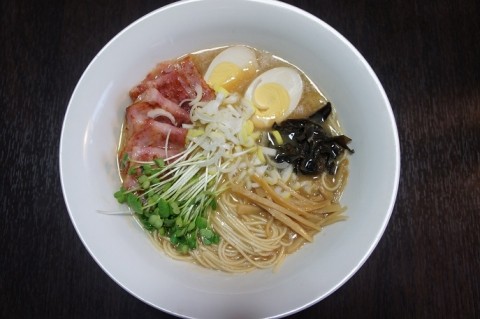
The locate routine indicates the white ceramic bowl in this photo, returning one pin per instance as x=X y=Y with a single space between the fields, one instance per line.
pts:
x=92 y=125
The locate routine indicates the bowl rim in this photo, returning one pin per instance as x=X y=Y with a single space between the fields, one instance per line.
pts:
x=297 y=11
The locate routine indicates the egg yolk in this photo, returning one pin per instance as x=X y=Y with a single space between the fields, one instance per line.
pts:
x=224 y=74
x=230 y=76
x=271 y=101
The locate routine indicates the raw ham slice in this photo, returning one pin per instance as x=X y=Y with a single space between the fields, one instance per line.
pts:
x=152 y=96
x=136 y=115
x=176 y=80
x=153 y=133
x=149 y=153
x=166 y=88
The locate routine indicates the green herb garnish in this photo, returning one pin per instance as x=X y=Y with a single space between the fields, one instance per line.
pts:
x=175 y=198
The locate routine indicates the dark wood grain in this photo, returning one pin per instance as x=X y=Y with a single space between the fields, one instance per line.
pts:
x=425 y=53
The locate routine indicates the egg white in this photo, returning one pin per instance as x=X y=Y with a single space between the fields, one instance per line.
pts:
x=241 y=56
x=286 y=77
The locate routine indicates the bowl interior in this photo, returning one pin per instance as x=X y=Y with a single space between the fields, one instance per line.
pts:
x=92 y=126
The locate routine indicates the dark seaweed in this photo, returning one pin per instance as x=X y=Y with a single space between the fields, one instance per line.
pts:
x=307 y=146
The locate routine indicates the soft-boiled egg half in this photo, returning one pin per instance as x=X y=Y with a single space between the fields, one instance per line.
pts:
x=274 y=95
x=232 y=67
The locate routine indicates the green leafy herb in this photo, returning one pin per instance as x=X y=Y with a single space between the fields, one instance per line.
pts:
x=175 y=198
x=134 y=203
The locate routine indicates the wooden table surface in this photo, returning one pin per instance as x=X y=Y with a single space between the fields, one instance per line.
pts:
x=425 y=53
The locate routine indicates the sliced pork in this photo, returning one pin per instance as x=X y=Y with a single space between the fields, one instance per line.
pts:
x=176 y=80
x=154 y=97
x=153 y=123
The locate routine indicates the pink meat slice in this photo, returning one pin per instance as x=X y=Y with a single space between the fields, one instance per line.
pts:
x=154 y=97
x=175 y=80
x=165 y=87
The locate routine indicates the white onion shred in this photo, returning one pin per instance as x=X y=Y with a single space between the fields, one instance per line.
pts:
x=221 y=129
x=156 y=112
